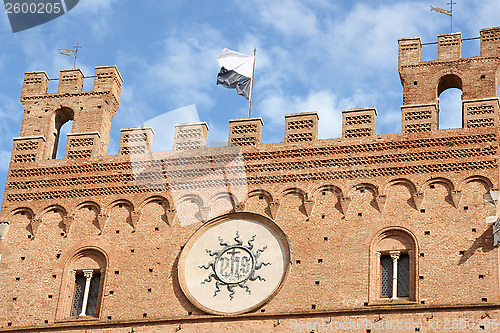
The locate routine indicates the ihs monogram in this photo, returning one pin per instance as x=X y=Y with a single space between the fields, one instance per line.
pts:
x=234 y=265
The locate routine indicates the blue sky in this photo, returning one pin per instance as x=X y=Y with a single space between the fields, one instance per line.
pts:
x=312 y=55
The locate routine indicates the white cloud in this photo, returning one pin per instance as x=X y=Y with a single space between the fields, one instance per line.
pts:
x=186 y=68
x=354 y=55
x=476 y=15
x=96 y=14
x=324 y=102
x=290 y=17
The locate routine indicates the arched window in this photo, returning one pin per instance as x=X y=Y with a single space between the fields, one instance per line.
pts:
x=450 y=102
x=63 y=138
x=62 y=116
x=393 y=267
x=84 y=276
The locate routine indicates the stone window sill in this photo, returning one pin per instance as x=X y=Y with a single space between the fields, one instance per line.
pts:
x=399 y=301
x=78 y=319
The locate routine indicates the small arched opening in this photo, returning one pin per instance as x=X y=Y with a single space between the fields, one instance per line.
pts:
x=63 y=123
x=449 y=92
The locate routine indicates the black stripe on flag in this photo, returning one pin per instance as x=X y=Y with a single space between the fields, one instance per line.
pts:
x=233 y=80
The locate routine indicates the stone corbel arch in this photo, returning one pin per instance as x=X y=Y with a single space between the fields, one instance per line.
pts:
x=307 y=204
x=37 y=221
x=267 y=195
x=33 y=224
x=378 y=201
x=477 y=178
x=344 y=201
x=203 y=211
x=269 y=200
x=134 y=216
x=23 y=210
x=232 y=198
x=336 y=190
x=492 y=190
x=417 y=197
x=91 y=205
x=164 y=202
x=453 y=197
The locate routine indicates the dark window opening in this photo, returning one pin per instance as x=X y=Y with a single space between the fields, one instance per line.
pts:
x=403 y=276
x=86 y=290
x=386 y=275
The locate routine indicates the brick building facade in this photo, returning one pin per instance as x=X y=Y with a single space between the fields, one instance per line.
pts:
x=370 y=230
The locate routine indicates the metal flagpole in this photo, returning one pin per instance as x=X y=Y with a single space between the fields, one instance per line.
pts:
x=76 y=53
x=251 y=87
x=451 y=3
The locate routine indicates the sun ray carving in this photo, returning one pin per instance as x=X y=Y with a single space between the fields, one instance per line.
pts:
x=234 y=265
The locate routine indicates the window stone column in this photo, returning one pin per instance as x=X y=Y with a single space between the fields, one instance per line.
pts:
x=395 y=257
x=88 y=275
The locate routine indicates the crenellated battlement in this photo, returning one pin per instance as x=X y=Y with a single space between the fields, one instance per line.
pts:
x=490 y=42
x=449 y=47
x=35 y=84
x=423 y=81
x=478 y=78
x=106 y=79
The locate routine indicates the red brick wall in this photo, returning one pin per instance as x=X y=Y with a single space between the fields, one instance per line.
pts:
x=331 y=197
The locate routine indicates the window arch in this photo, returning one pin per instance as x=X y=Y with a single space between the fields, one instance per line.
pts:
x=61 y=117
x=449 y=92
x=393 y=266
x=83 y=281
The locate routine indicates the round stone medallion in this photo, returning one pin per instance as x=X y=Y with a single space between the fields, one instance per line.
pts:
x=234 y=263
